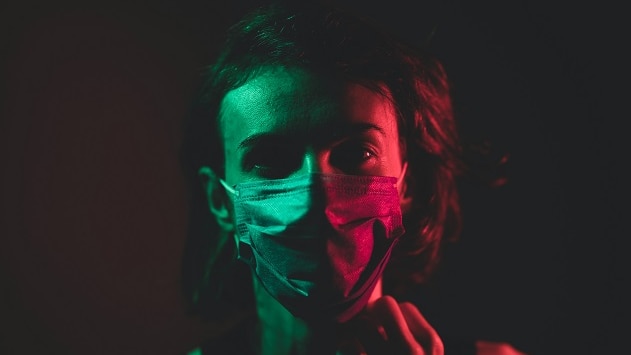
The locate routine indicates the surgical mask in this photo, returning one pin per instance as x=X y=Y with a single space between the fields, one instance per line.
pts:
x=318 y=243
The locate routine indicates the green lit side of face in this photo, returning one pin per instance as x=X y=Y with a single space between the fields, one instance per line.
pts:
x=287 y=121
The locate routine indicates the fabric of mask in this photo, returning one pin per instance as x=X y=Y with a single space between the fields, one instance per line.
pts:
x=318 y=243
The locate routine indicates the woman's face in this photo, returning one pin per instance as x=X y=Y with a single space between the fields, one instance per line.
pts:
x=287 y=121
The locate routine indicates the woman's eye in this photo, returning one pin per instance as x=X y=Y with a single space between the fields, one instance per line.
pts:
x=272 y=161
x=274 y=168
x=272 y=172
x=353 y=158
x=366 y=154
x=358 y=155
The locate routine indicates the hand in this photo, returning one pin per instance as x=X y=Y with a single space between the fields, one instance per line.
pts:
x=389 y=327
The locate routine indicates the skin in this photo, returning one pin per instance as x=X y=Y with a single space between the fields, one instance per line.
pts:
x=286 y=122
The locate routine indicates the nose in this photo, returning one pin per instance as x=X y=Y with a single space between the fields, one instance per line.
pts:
x=316 y=162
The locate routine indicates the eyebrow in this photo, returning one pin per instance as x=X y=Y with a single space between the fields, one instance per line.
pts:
x=346 y=130
x=358 y=128
x=258 y=138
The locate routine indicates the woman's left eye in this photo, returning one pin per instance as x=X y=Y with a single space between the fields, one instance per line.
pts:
x=360 y=154
x=352 y=157
x=366 y=154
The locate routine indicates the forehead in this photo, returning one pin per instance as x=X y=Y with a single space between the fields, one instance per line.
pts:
x=295 y=102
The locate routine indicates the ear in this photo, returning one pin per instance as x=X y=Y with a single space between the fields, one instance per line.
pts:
x=217 y=199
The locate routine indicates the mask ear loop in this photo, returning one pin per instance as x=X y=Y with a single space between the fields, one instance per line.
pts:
x=229 y=188
x=406 y=201
x=402 y=175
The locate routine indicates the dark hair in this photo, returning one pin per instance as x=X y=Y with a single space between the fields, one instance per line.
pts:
x=335 y=43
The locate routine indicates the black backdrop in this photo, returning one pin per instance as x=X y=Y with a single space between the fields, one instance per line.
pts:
x=93 y=214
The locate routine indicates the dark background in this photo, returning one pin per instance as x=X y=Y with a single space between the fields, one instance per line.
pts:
x=93 y=210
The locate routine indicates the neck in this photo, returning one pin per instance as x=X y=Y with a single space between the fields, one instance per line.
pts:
x=283 y=334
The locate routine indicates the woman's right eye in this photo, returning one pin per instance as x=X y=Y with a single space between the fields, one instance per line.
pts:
x=268 y=171
x=272 y=161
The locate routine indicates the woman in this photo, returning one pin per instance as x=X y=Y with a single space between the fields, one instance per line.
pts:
x=324 y=154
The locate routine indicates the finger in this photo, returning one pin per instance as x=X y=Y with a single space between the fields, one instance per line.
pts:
x=386 y=311
x=422 y=331
x=370 y=335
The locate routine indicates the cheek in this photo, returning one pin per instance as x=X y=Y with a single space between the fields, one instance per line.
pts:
x=393 y=152
x=231 y=166
x=234 y=173
x=393 y=157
